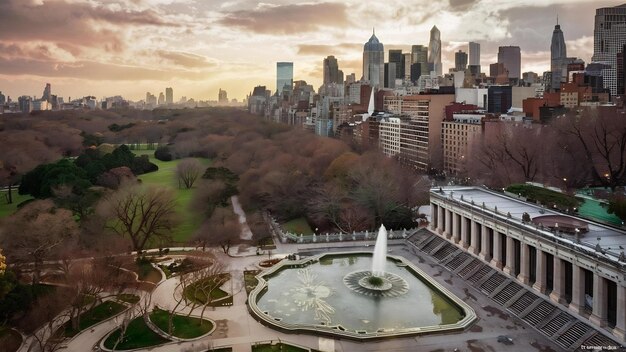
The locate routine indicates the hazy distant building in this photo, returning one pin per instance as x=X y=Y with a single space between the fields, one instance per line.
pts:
x=2 y=98
x=558 y=54
x=161 y=98
x=434 y=51
x=609 y=36
x=222 y=97
x=419 y=55
x=474 y=54
x=395 y=57
x=284 y=77
x=351 y=78
x=25 y=104
x=374 y=61
x=460 y=60
x=169 y=96
x=47 y=93
x=497 y=70
x=511 y=57
x=530 y=77
x=332 y=73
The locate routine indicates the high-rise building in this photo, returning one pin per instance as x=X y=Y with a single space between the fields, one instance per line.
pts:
x=390 y=75
x=25 y=103
x=47 y=93
x=474 y=54
x=407 y=60
x=374 y=61
x=621 y=72
x=558 y=54
x=222 y=96
x=460 y=61
x=2 y=98
x=395 y=57
x=161 y=98
x=499 y=99
x=284 y=77
x=419 y=55
x=169 y=96
x=511 y=57
x=434 y=51
x=609 y=35
x=332 y=73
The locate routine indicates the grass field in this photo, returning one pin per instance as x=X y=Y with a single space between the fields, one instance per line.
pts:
x=138 y=335
x=8 y=209
x=166 y=177
x=95 y=315
x=182 y=327
x=298 y=226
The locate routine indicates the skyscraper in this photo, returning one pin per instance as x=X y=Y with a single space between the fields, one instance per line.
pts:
x=609 y=35
x=169 y=96
x=374 y=61
x=474 y=54
x=395 y=57
x=331 y=71
x=284 y=77
x=419 y=55
x=407 y=60
x=511 y=57
x=222 y=96
x=558 y=54
x=460 y=60
x=434 y=51
x=47 y=93
x=161 y=98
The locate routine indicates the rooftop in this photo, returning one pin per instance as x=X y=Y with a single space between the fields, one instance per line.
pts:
x=611 y=240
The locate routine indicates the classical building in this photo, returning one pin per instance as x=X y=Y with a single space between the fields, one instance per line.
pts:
x=576 y=264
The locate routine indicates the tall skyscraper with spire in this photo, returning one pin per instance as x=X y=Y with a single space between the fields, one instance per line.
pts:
x=558 y=55
x=374 y=61
x=434 y=51
x=609 y=37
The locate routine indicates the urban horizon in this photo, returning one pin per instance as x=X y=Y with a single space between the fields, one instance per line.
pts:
x=74 y=71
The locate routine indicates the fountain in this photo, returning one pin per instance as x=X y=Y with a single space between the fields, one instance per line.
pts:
x=373 y=302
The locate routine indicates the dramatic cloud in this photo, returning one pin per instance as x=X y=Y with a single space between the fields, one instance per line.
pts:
x=288 y=19
x=325 y=50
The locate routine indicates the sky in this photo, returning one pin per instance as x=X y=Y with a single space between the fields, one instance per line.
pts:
x=130 y=47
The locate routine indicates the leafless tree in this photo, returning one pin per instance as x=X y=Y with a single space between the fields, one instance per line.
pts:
x=221 y=229
x=141 y=213
x=187 y=172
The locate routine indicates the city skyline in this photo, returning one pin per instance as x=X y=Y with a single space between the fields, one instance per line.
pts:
x=129 y=47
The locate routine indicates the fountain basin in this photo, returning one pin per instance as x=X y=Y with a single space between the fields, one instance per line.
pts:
x=322 y=295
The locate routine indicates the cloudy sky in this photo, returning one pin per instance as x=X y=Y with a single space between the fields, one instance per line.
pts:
x=128 y=47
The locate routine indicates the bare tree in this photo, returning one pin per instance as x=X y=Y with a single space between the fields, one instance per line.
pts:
x=36 y=232
x=221 y=229
x=187 y=172
x=142 y=213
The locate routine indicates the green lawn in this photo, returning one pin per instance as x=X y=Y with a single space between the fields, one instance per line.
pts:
x=545 y=196
x=94 y=316
x=166 y=177
x=8 y=209
x=297 y=226
x=138 y=335
x=196 y=295
x=182 y=327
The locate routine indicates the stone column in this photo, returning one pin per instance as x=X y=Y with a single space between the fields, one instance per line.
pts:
x=497 y=250
x=599 y=314
x=578 y=289
x=456 y=228
x=464 y=234
x=559 y=281
x=540 y=272
x=524 y=273
x=620 y=324
x=510 y=256
x=447 y=231
x=433 y=217
x=473 y=247
x=439 y=219
x=484 y=248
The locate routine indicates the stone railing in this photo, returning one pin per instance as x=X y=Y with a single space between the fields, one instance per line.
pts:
x=286 y=236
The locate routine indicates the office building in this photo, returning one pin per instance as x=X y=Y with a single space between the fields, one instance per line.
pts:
x=222 y=96
x=2 y=98
x=499 y=99
x=47 y=93
x=161 y=98
x=284 y=77
x=460 y=61
x=332 y=73
x=609 y=36
x=169 y=96
x=434 y=52
x=395 y=57
x=558 y=54
x=390 y=75
x=474 y=54
x=458 y=137
x=374 y=62
x=419 y=55
x=407 y=60
x=511 y=57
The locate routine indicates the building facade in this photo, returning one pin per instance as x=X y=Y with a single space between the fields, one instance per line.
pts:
x=474 y=54
x=434 y=52
x=374 y=62
x=609 y=36
x=460 y=60
x=578 y=265
x=511 y=57
x=284 y=77
x=558 y=54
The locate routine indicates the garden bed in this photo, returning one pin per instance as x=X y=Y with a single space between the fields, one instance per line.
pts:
x=94 y=316
x=138 y=335
x=182 y=326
